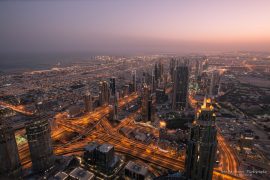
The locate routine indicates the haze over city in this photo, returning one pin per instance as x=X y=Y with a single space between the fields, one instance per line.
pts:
x=116 y=27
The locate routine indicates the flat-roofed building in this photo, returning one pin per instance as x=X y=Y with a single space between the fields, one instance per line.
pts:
x=81 y=174
x=105 y=157
x=135 y=171
x=60 y=176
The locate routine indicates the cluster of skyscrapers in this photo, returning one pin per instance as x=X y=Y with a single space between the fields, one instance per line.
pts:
x=201 y=147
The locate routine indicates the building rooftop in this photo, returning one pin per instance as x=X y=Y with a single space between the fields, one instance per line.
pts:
x=91 y=146
x=105 y=148
x=60 y=176
x=81 y=174
x=137 y=168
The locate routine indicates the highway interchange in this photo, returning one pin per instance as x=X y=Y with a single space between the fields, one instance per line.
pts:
x=95 y=126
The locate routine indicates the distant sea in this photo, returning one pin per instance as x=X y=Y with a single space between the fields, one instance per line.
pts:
x=17 y=63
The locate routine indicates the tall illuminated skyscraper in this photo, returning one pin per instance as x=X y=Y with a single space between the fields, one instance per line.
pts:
x=202 y=144
x=180 y=87
x=39 y=140
x=10 y=166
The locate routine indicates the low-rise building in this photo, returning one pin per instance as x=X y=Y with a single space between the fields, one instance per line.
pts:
x=135 y=171
x=81 y=174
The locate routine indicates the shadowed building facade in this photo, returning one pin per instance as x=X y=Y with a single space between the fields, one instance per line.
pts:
x=10 y=167
x=180 y=87
x=113 y=98
x=147 y=104
x=39 y=140
x=202 y=145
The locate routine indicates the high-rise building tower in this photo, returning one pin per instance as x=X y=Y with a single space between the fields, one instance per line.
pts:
x=153 y=82
x=158 y=71
x=10 y=167
x=103 y=93
x=202 y=144
x=134 y=80
x=115 y=109
x=112 y=86
x=161 y=69
x=214 y=83
x=39 y=140
x=172 y=67
x=147 y=108
x=88 y=101
x=180 y=87
x=113 y=97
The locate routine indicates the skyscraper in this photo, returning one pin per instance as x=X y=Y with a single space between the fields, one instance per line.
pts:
x=180 y=87
x=134 y=80
x=147 y=108
x=158 y=73
x=172 y=67
x=10 y=167
x=88 y=101
x=115 y=109
x=40 y=145
x=103 y=93
x=161 y=69
x=153 y=82
x=202 y=145
x=113 y=97
x=214 y=83
x=112 y=86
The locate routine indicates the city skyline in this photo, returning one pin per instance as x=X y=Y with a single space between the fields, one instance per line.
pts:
x=134 y=27
x=135 y=90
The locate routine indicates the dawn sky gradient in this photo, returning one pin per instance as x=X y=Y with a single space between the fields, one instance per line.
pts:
x=122 y=26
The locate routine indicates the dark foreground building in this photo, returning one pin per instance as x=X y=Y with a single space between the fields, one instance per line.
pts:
x=103 y=156
x=39 y=139
x=202 y=145
x=10 y=167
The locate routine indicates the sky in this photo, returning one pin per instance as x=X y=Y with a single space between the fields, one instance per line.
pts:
x=126 y=26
